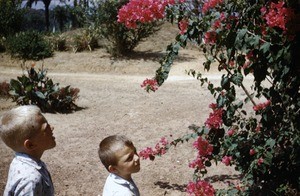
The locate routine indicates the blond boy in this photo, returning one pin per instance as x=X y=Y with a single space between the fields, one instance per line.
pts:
x=26 y=131
x=118 y=155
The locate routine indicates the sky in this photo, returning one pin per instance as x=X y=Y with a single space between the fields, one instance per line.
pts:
x=40 y=4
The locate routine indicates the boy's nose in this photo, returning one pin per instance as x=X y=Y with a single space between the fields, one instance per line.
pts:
x=136 y=157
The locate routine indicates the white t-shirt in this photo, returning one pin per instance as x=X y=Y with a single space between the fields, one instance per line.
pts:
x=117 y=186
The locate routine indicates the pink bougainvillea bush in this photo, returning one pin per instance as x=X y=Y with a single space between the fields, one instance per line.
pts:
x=257 y=38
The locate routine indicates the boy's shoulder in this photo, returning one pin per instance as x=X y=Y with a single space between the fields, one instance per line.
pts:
x=115 y=185
x=24 y=165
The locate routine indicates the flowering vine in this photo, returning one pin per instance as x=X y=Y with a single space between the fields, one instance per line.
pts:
x=243 y=38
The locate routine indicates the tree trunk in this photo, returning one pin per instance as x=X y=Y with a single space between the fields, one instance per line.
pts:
x=47 y=20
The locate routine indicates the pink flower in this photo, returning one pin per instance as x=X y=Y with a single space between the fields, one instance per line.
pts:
x=213 y=106
x=214 y=120
x=160 y=149
x=204 y=148
x=261 y=106
x=146 y=153
x=150 y=84
x=252 y=152
x=277 y=15
x=231 y=63
x=227 y=160
x=210 y=4
x=145 y=11
x=197 y=163
x=200 y=188
x=183 y=25
x=260 y=161
x=246 y=64
x=210 y=37
x=230 y=132
x=217 y=24
x=250 y=54
x=257 y=129
x=263 y=10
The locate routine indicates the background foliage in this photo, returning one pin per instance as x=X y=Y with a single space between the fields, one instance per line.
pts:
x=11 y=17
x=121 y=40
x=29 y=45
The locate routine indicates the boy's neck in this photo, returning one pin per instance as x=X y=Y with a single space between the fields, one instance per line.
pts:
x=128 y=178
x=33 y=154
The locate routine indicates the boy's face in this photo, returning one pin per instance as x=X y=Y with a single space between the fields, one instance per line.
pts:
x=128 y=162
x=44 y=138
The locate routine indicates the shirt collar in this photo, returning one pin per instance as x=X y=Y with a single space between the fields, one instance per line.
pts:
x=119 y=180
x=25 y=158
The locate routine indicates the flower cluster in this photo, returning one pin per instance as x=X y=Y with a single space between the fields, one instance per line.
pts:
x=183 y=25
x=210 y=4
x=203 y=146
x=204 y=149
x=260 y=161
x=230 y=132
x=200 y=188
x=252 y=152
x=227 y=160
x=198 y=163
x=160 y=149
x=214 y=120
x=210 y=37
x=261 y=106
x=143 y=11
x=277 y=15
x=150 y=84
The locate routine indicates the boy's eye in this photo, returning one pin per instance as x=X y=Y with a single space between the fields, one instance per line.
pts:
x=130 y=158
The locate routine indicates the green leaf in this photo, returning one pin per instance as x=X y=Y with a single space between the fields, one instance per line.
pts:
x=15 y=85
x=29 y=87
x=221 y=100
x=241 y=34
x=23 y=79
x=40 y=95
x=237 y=78
x=225 y=82
x=265 y=47
x=270 y=142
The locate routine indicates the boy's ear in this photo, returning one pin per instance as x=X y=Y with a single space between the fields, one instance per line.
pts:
x=112 y=169
x=28 y=145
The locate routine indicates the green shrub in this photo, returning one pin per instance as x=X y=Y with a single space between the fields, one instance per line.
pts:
x=121 y=40
x=58 y=42
x=29 y=45
x=2 y=45
x=37 y=89
x=86 y=39
x=11 y=17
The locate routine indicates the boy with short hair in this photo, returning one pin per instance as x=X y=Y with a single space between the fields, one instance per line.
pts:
x=26 y=131
x=118 y=155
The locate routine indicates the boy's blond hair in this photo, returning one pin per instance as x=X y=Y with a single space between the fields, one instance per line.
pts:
x=109 y=146
x=19 y=124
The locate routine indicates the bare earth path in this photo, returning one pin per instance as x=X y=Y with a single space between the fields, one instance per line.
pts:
x=114 y=103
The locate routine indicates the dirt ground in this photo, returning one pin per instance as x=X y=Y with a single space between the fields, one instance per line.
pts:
x=114 y=103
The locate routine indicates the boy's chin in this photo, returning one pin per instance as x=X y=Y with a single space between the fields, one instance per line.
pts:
x=138 y=169
x=53 y=145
